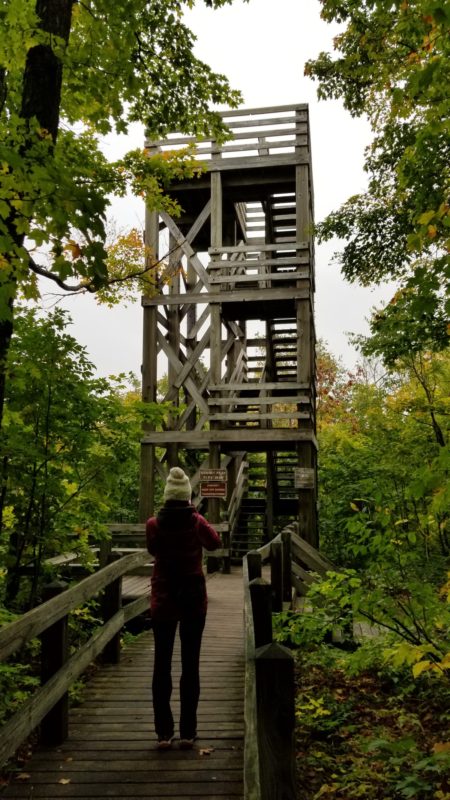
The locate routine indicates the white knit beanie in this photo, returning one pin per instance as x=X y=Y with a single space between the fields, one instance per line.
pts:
x=177 y=485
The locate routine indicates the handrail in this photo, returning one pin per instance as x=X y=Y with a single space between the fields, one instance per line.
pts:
x=252 y=785
x=269 y=751
x=277 y=132
x=49 y=620
x=34 y=622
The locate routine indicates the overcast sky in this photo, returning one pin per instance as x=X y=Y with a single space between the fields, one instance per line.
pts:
x=262 y=47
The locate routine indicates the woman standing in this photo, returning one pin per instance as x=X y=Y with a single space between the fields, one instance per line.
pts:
x=176 y=537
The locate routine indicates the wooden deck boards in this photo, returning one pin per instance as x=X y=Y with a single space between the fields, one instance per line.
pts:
x=111 y=751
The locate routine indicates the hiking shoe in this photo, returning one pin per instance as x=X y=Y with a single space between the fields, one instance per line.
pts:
x=164 y=743
x=186 y=744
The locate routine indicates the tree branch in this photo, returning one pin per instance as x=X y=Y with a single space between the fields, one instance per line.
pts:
x=89 y=286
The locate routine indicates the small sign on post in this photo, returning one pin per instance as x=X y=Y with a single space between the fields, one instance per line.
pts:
x=213 y=475
x=213 y=489
x=213 y=483
x=304 y=478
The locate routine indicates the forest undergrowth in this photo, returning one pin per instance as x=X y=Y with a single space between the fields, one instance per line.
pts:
x=369 y=732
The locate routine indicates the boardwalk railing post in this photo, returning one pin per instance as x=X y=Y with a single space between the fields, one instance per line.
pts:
x=54 y=654
x=226 y=568
x=104 y=552
x=276 y=575
x=287 y=556
x=254 y=565
x=275 y=697
x=111 y=604
x=261 y=597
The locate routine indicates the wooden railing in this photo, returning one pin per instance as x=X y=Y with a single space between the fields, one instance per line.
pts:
x=261 y=265
x=49 y=705
x=272 y=132
x=269 y=759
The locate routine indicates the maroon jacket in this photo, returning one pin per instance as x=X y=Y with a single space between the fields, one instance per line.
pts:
x=176 y=537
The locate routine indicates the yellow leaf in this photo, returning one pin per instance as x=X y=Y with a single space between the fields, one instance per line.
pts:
x=445 y=663
x=426 y=217
x=64 y=781
x=441 y=747
x=420 y=667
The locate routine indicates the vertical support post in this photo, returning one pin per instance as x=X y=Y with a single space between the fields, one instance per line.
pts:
x=215 y=341
x=275 y=698
x=191 y=341
x=287 y=556
x=253 y=565
x=149 y=374
x=173 y=338
x=276 y=575
x=111 y=604
x=261 y=597
x=306 y=354
x=271 y=494
x=54 y=654
x=104 y=551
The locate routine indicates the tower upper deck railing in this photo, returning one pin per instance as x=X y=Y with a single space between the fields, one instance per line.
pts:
x=274 y=135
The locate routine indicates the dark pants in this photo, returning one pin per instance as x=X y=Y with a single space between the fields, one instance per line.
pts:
x=191 y=631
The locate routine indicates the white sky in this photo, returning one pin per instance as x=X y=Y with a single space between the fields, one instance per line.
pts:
x=262 y=47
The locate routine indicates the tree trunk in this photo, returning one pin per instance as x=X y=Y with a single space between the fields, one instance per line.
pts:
x=41 y=99
x=42 y=82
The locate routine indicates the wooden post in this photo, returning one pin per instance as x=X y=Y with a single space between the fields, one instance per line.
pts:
x=173 y=338
x=54 y=654
x=276 y=575
x=287 y=557
x=104 y=552
x=191 y=340
x=254 y=565
x=226 y=561
x=111 y=604
x=275 y=698
x=261 y=597
x=149 y=375
x=306 y=352
x=215 y=345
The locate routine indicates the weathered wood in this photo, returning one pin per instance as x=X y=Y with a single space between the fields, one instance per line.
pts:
x=246 y=437
x=19 y=727
x=232 y=296
x=257 y=278
x=276 y=575
x=186 y=248
x=253 y=559
x=111 y=747
x=306 y=553
x=110 y=605
x=54 y=654
x=176 y=363
x=261 y=598
x=252 y=787
x=17 y=634
x=260 y=248
x=260 y=386
x=287 y=558
x=251 y=416
x=275 y=692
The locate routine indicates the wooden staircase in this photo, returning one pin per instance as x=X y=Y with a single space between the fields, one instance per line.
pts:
x=250 y=531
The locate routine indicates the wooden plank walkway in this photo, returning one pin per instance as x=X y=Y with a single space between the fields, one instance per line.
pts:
x=111 y=751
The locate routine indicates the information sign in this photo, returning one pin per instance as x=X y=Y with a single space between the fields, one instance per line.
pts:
x=208 y=475
x=304 y=478
x=213 y=489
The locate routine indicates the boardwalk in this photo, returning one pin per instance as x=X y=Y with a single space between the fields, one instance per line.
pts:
x=111 y=751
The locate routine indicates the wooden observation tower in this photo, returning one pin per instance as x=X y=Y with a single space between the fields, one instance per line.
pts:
x=235 y=325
